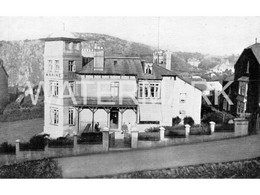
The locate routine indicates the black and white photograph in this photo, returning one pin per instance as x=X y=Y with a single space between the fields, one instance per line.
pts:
x=129 y=97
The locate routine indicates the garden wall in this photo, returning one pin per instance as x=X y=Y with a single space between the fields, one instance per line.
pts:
x=50 y=152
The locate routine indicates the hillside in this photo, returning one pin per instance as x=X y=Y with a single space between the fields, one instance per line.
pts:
x=23 y=59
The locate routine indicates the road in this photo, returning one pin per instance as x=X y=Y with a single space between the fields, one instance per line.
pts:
x=173 y=156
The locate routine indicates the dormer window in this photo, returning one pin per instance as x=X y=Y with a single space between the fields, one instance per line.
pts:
x=148 y=69
x=72 y=66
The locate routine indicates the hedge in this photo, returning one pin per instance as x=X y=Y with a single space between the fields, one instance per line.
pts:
x=22 y=114
x=147 y=136
x=91 y=138
x=6 y=148
x=60 y=142
x=37 y=142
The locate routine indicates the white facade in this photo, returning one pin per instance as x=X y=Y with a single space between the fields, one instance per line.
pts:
x=157 y=100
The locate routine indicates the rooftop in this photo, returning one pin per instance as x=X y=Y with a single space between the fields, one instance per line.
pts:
x=126 y=66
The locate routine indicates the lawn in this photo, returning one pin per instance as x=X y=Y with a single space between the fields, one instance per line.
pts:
x=23 y=130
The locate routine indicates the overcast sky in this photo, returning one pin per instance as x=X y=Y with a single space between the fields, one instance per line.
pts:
x=213 y=35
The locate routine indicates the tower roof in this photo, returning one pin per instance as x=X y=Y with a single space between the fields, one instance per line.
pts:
x=62 y=36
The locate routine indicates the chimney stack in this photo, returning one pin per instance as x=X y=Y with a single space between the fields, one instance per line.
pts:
x=168 y=60
x=99 y=55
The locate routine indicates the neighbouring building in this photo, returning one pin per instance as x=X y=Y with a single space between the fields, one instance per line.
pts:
x=82 y=87
x=247 y=81
x=162 y=58
x=193 y=62
x=4 y=97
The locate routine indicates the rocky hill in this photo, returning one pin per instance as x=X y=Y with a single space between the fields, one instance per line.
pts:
x=23 y=60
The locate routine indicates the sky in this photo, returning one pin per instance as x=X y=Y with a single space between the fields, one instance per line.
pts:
x=208 y=35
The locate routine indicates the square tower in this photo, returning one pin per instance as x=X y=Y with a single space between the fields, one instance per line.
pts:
x=62 y=59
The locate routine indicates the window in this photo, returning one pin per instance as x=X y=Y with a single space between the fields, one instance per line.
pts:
x=57 y=65
x=240 y=107
x=71 y=46
x=78 y=46
x=72 y=86
x=225 y=104
x=67 y=46
x=149 y=90
x=115 y=63
x=71 y=116
x=242 y=88
x=54 y=88
x=72 y=66
x=114 y=89
x=54 y=116
x=152 y=88
x=146 y=90
x=50 y=65
x=183 y=97
x=148 y=69
x=157 y=94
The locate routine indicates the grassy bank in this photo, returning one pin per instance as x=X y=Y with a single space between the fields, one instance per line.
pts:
x=237 y=169
x=45 y=168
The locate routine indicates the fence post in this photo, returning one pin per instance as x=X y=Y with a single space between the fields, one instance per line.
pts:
x=17 y=146
x=212 y=127
x=134 y=138
x=46 y=148
x=105 y=139
x=75 y=141
x=187 y=130
x=162 y=130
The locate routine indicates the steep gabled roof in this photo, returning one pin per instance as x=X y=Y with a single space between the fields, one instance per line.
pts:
x=125 y=66
x=256 y=50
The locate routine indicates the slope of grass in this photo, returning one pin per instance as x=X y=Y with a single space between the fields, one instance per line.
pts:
x=46 y=168
x=237 y=169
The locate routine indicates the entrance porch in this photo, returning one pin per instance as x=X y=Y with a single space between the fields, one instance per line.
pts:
x=111 y=116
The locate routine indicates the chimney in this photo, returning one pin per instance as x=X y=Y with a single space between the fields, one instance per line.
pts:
x=99 y=55
x=168 y=60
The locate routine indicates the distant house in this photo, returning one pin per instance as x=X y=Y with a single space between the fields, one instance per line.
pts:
x=193 y=62
x=110 y=90
x=4 y=97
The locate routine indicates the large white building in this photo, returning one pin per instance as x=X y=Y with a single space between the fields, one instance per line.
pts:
x=83 y=87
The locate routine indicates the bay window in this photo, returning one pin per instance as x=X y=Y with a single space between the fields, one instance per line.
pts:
x=149 y=90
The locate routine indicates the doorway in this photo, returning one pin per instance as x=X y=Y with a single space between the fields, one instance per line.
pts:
x=114 y=118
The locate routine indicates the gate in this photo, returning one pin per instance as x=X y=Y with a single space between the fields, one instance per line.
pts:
x=118 y=140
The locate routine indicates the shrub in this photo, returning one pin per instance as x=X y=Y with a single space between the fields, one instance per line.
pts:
x=91 y=138
x=176 y=121
x=217 y=117
x=37 y=142
x=224 y=128
x=7 y=148
x=188 y=120
x=61 y=142
x=152 y=129
x=148 y=136
x=11 y=106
